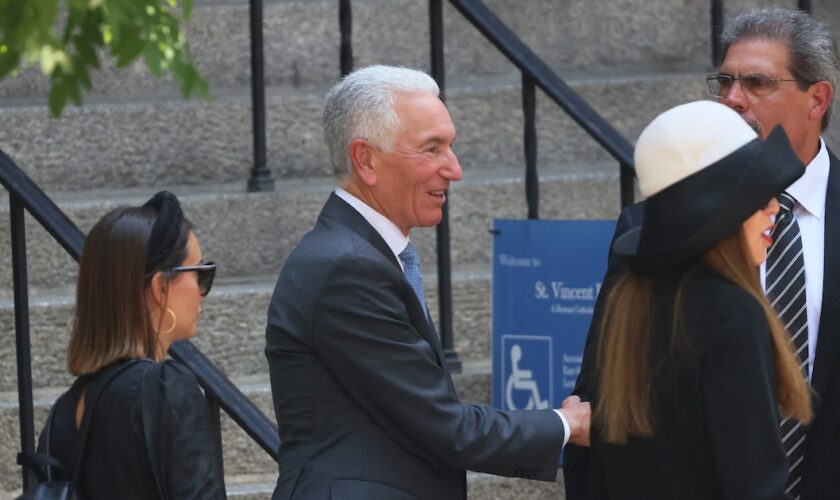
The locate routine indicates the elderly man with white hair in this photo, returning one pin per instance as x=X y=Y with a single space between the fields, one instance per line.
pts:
x=365 y=404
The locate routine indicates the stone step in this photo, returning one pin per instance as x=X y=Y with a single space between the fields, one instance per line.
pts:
x=487 y=487
x=248 y=466
x=231 y=331
x=479 y=487
x=251 y=234
x=301 y=41
x=114 y=144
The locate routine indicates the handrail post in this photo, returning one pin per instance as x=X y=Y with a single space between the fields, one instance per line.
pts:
x=627 y=186
x=260 y=179
x=436 y=41
x=717 y=31
x=22 y=344
x=443 y=256
x=345 y=24
x=529 y=110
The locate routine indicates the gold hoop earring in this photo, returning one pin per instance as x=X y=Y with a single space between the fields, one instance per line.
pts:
x=174 y=322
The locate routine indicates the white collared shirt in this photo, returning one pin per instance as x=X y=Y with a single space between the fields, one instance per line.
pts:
x=809 y=192
x=397 y=242
x=389 y=231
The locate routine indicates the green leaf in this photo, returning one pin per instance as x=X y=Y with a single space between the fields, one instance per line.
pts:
x=92 y=27
x=54 y=60
x=73 y=91
x=203 y=88
x=73 y=18
x=8 y=62
x=154 y=60
x=66 y=49
x=188 y=78
x=46 y=12
x=78 y=4
x=131 y=47
x=57 y=99
x=187 y=10
x=83 y=77
x=117 y=12
x=86 y=51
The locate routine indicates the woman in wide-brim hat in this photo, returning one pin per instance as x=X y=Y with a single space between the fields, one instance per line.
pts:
x=694 y=366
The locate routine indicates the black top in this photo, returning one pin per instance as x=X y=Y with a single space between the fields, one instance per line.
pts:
x=715 y=420
x=116 y=463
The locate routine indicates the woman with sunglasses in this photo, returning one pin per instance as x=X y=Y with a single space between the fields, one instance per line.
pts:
x=140 y=287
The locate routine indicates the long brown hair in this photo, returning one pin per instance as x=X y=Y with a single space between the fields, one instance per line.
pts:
x=112 y=317
x=623 y=403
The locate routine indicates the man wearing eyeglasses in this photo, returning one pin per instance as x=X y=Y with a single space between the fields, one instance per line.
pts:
x=780 y=68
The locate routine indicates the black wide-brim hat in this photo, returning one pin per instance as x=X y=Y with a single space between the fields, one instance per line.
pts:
x=689 y=216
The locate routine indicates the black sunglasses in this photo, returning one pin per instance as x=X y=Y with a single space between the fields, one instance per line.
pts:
x=206 y=273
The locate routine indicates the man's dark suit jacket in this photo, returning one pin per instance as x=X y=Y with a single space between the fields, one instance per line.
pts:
x=821 y=479
x=365 y=405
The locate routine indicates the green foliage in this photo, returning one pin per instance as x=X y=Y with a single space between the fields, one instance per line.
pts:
x=126 y=29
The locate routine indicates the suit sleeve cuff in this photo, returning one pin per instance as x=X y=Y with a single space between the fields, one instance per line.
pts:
x=566 y=430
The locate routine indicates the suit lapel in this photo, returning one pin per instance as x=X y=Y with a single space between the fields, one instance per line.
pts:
x=828 y=340
x=340 y=211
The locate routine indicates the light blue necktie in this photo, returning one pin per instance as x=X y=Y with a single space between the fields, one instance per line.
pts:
x=411 y=263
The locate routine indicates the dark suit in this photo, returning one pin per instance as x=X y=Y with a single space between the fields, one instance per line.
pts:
x=821 y=479
x=365 y=405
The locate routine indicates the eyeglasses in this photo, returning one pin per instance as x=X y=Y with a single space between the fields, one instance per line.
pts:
x=752 y=85
x=206 y=273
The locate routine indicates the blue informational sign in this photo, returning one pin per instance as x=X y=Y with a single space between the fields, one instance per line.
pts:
x=546 y=276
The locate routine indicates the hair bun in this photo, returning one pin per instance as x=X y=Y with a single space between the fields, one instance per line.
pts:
x=165 y=230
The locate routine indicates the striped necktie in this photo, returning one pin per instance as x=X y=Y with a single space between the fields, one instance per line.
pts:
x=411 y=263
x=785 y=288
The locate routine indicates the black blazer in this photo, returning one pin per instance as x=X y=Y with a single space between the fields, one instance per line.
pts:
x=716 y=432
x=821 y=480
x=821 y=477
x=365 y=405
x=715 y=419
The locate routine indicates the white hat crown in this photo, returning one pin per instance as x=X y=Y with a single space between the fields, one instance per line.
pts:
x=686 y=139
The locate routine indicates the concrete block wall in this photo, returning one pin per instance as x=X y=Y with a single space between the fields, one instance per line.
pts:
x=630 y=59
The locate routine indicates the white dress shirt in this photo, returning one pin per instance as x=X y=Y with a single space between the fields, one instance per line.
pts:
x=397 y=242
x=809 y=192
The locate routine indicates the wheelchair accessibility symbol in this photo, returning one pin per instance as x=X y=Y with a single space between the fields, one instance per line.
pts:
x=527 y=372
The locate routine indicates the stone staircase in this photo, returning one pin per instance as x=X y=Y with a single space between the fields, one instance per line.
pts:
x=630 y=59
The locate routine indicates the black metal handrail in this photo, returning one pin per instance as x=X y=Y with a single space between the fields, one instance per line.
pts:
x=444 y=261
x=717 y=30
x=804 y=6
x=24 y=194
x=260 y=179
x=532 y=66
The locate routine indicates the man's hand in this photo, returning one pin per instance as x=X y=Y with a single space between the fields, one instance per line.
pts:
x=577 y=415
